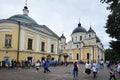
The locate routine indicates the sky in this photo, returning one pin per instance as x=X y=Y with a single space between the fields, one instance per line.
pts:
x=62 y=16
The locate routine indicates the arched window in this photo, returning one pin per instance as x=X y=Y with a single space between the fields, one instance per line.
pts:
x=52 y=48
x=89 y=35
x=72 y=38
x=80 y=38
x=88 y=56
x=70 y=55
x=77 y=45
x=75 y=38
x=77 y=56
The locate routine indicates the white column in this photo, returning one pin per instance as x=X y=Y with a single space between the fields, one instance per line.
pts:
x=56 y=47
x=81 y=53
x=91 y=54
x=49 y=46
x=22 y=39
x=33 y=44
x=37 y=43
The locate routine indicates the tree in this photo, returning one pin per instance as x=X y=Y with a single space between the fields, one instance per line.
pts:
x=113 y=23
x=111 y=55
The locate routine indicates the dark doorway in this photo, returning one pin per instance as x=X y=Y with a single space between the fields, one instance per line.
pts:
x=43 y=59
x=88 y=56
x=52 y=58
x=77 y=56
x=30 y=59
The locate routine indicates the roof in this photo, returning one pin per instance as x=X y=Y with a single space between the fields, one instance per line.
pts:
x=62 y=36
x=91 y=30
x=97 y=39
x=23 y=18
x=79 y=29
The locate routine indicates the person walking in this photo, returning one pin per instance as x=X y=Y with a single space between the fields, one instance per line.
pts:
x=94 y=70
x=46 y=65
x=75 y=70
x=88 y=68
x=112 y=74
x=118 y=68
x=37 y=65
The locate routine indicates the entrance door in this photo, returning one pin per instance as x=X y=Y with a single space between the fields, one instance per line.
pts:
x=6 y=59
x=30 y=59
x=43 y=59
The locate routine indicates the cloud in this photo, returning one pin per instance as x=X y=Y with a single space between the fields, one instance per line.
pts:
x=62 y=15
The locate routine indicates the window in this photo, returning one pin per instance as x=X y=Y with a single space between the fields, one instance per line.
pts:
x=89 y=35
x=72 y=38
x=77 y=46
x=52 y=48
x=80 y=37
x=70 y=55
x=8 y=39
x=30 y=42
x=43 y=46
x=77 y=56
x=88 y=56
x=75 y=38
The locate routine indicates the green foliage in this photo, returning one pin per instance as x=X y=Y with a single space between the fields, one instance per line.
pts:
x=111 y=55
x=116 y=46
x=113 y=24
x=112 y=3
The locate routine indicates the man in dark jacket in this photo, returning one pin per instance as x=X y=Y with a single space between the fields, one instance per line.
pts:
x=46 y=65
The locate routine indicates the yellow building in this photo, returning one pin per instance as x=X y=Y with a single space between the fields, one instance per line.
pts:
x=84 y=45
x=21 y=38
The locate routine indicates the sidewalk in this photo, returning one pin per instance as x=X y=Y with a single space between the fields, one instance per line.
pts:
x=57 y=73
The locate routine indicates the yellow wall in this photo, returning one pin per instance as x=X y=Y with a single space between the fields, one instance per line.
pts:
x=12 y=53
x=14 y=34
x=84 y=54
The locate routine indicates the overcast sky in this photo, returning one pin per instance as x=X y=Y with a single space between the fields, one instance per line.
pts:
x=62 y=16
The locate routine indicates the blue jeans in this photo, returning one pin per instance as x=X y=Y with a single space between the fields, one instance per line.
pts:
x=94 y=74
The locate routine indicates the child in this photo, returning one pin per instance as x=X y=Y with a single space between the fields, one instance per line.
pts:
x=94 y=69
x=118 y=68
x=112 y=74
x=37 y=66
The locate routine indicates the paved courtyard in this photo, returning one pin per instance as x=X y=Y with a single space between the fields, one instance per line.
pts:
x=57 y=73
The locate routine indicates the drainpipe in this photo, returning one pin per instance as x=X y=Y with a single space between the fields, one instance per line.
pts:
x=18 y=41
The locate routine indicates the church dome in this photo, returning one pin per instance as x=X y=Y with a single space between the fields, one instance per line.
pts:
x=97 y=39
x=63 y=36
x=79 y=29
x=23 y=17
x=91 y=30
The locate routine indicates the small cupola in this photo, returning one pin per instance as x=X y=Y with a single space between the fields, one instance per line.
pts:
x=25 y=11
x=62 y=37
x=91 y=30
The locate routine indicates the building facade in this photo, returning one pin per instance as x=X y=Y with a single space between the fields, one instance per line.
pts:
x=84 y=45
x=21 y=38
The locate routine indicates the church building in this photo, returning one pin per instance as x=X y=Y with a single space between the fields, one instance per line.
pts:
x=84 y=45
x=22 y=38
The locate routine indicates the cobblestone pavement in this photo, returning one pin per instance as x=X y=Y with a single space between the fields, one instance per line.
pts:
x=57 y=73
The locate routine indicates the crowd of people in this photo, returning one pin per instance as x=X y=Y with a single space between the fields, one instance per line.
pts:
x=94 y=69
x=23 y=64
x=90 y=67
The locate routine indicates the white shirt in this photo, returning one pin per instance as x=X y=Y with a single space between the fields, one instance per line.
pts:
x=37 y=65
x=88 y=66
x=94 y=69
